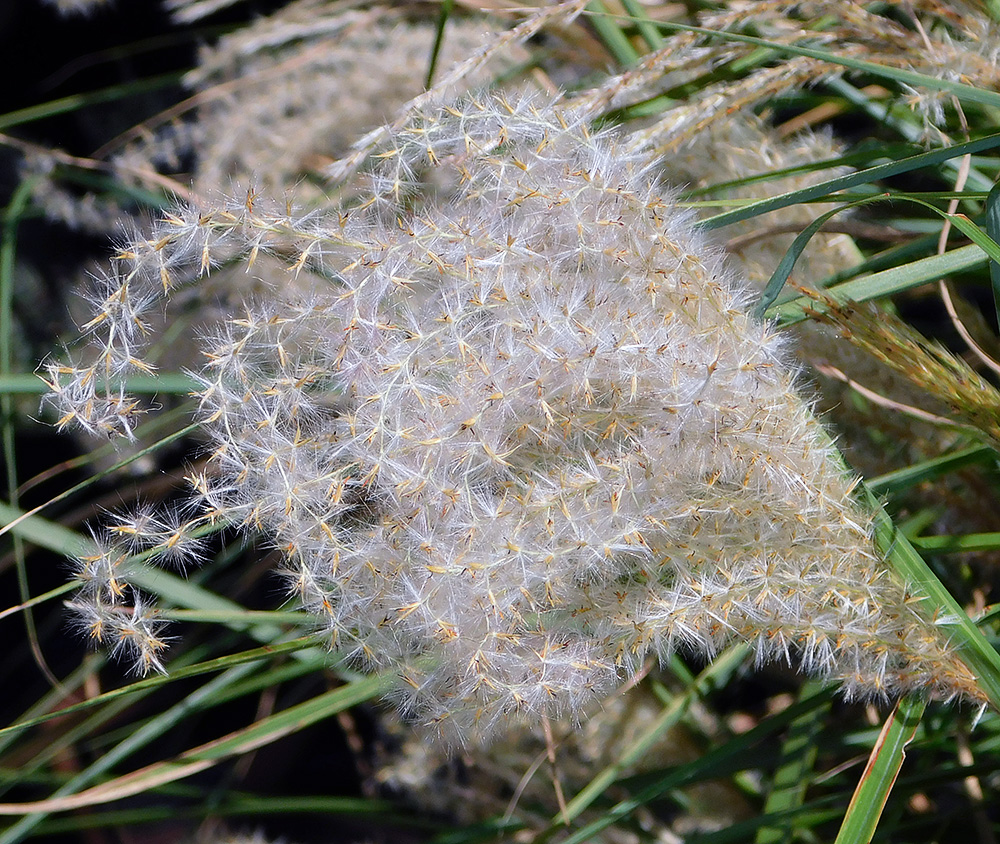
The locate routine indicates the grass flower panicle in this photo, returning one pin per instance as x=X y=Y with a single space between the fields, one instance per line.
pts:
x=521 y=434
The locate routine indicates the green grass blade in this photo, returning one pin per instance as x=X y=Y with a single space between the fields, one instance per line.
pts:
x=442 y=23
x=993 y=229
x=735 y=753
x=929 y=470
x=168 y=587
x=611 y=34
x=44 y=533
x=39 y=530
x=252 y=807
x=787 y=263
x=886 y=282
x=646 y=26
x=904 y=121
x=788 y=787
x=851 y=180
x=268 y=652
x=715 y=674
x=977 y=653
x=75 y=102
x=957 y=544
x=154 y=728
x=886 y=759
x=259 y=734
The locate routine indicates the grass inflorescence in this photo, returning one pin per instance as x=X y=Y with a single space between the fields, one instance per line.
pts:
x=520 y=404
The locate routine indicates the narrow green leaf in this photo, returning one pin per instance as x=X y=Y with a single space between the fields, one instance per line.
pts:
x=722 y=758
x=152 y=729
x=610 y=32
x=886 y=282
x=167 y=586
x=78 y=101
x=850 y=180
x=788 y=788
x=903 y=120
x=787 y=263
x=172 y=383
x=715 y=674
x=973 y=648
x=645 y=25
x=236 y=804
x=993 y=229
x=983 y=240
x=929 y=470
x=11 y=519
x=268 y=652
x=44 y=533
x=259 y=734
x=880 y=775
x=19 y=383
x=957 y=544
x=442 y=22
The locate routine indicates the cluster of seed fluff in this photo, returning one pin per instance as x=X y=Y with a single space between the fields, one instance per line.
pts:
x=287 y=94
x=523 y=433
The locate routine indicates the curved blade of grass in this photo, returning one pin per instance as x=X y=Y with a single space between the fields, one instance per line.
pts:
x=714 y=675
x=170 y=383
x=149 y=731
x=20 y=383
x=45 y=706
x=252 y=806
x=169 y=587
x=788 y=787
x=979 y=237
x=51 y=595
x=12 y=519
x=442 y=22
x=268 y=652
x=877 y=781
x=957 y=544
x=972 y=647
x=886 y=282
x=850 y=180
x=115 y=705
x=734 y=754
x=43 y=532
x=8 y=250
x=69 y=736
x=78 y=101
x=610 y=32
x=912 y=250
x=889 y=281
x=928 y=470
x=993 y=229
x=904 y=121
x=902 y=558
x=647 y=28
x=887 y=152
x=787 y=263
x=977 y=653
x=257 y=735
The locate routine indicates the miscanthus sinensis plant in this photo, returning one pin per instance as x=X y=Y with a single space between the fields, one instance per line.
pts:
x=521 y=435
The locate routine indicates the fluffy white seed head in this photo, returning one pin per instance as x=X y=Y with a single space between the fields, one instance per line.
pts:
x=523 y=433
